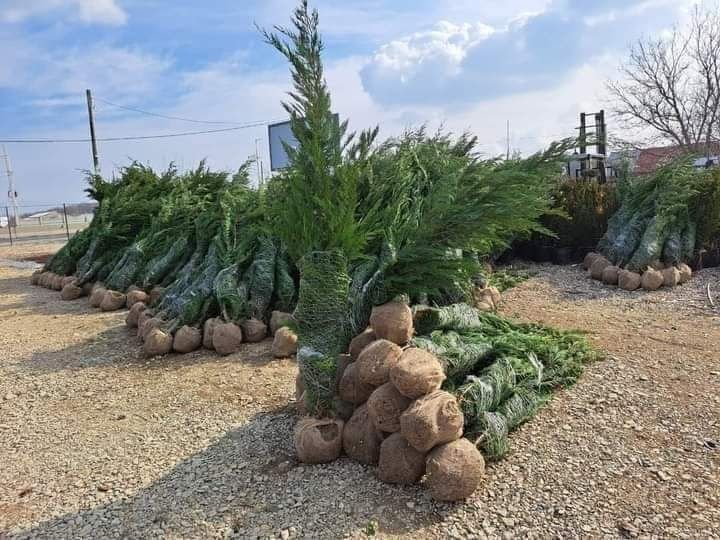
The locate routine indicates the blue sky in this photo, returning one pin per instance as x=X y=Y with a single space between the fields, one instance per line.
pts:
x=464 y=64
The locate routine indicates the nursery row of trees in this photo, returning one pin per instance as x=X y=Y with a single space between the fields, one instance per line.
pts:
x=353 y=223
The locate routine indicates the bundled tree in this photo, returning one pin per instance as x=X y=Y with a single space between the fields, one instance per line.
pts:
x=413 y=216
x=664 y=218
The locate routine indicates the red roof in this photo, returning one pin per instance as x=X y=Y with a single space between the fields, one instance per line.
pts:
x=650 y=159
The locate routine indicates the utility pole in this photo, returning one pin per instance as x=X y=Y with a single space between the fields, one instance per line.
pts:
x=258 y=164
x=91 y=118
x=508 y=141
x=12 y=194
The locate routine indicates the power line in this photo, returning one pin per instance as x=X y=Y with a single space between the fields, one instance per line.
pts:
x=137 y=137
x=158 y=115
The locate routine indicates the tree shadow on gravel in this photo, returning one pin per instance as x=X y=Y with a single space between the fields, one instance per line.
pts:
x=120 y=347
x=248 y=484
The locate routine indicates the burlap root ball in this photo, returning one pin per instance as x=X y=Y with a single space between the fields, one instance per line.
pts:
x=67 y=280
x=208 y=329
x=351 y=388
x=253 y=330
x=187 y=339
x=376 y=360
x=112 y=301
x=71 y=292
x=417 y=373
x=155 y=295
x=629 y=281
x=97 y=296
x=284 y=343
x=149 y=323
x=135 y=296
x=652 y=279
x=227 y=338
x=432 y=420
x=598 y=266
x=278 y=319
x=400 y=463
x=657 y=265
x=488 y=299
x=361 y=439
x=318 y=441
x=342 y=409
x=57 y=283
x=35 y=278
x=343 y=362
x=42 y=279
x=685 y=272
x=610 y=275
x=671 y=277
x=359 y=342
x=97 y=285
x=88 y=289
x=454 y=470
x=385 y=406
x=392 y=321
x=589 y=260
x=157 y=343
x=131 y=321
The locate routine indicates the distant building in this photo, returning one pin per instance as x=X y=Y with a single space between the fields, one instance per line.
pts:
x=648 y=160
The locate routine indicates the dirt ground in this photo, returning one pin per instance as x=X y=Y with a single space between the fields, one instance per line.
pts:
x=96 y=441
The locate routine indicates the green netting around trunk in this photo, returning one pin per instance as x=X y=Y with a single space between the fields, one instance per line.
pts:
x=323 y=325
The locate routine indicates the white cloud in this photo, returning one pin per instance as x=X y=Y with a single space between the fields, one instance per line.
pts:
x=443 y=49
x=86 y=11
x=58 y=77
x=469 y=62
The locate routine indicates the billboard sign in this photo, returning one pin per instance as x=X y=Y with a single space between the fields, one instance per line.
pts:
x=277 y=135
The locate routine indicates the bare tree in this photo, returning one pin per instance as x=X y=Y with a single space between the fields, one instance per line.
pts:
x=672 y=84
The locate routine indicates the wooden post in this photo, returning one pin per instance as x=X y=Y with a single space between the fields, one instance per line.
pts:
x=7 y=215
x=67 y=226
x=91 y=118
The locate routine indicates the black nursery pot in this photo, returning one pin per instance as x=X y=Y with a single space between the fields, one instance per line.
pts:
x=543 y=254
x=707 y=259
x=563 y=256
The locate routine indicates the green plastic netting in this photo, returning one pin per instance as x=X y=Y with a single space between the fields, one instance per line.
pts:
x=157 y=268
x=651 y=245
x=459 y=356
x=284 y=283
x=231 y=295
x=457 y=317
x=323 y=325
x=260 y=277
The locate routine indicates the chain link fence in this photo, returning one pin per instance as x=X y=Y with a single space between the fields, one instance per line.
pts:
x=43 y=223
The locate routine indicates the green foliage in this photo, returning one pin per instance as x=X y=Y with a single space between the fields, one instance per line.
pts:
x=584 y=208
x=707 y=210
x=443 y=209
x=667 y=216
x=501 y=371
x=507 y=278
x=317 y=194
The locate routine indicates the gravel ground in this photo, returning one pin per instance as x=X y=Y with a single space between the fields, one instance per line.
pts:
x=96 y=441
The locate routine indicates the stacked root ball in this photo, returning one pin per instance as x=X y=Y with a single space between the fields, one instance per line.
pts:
x=651 y=279
x=393 y=414
x=158 y=337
